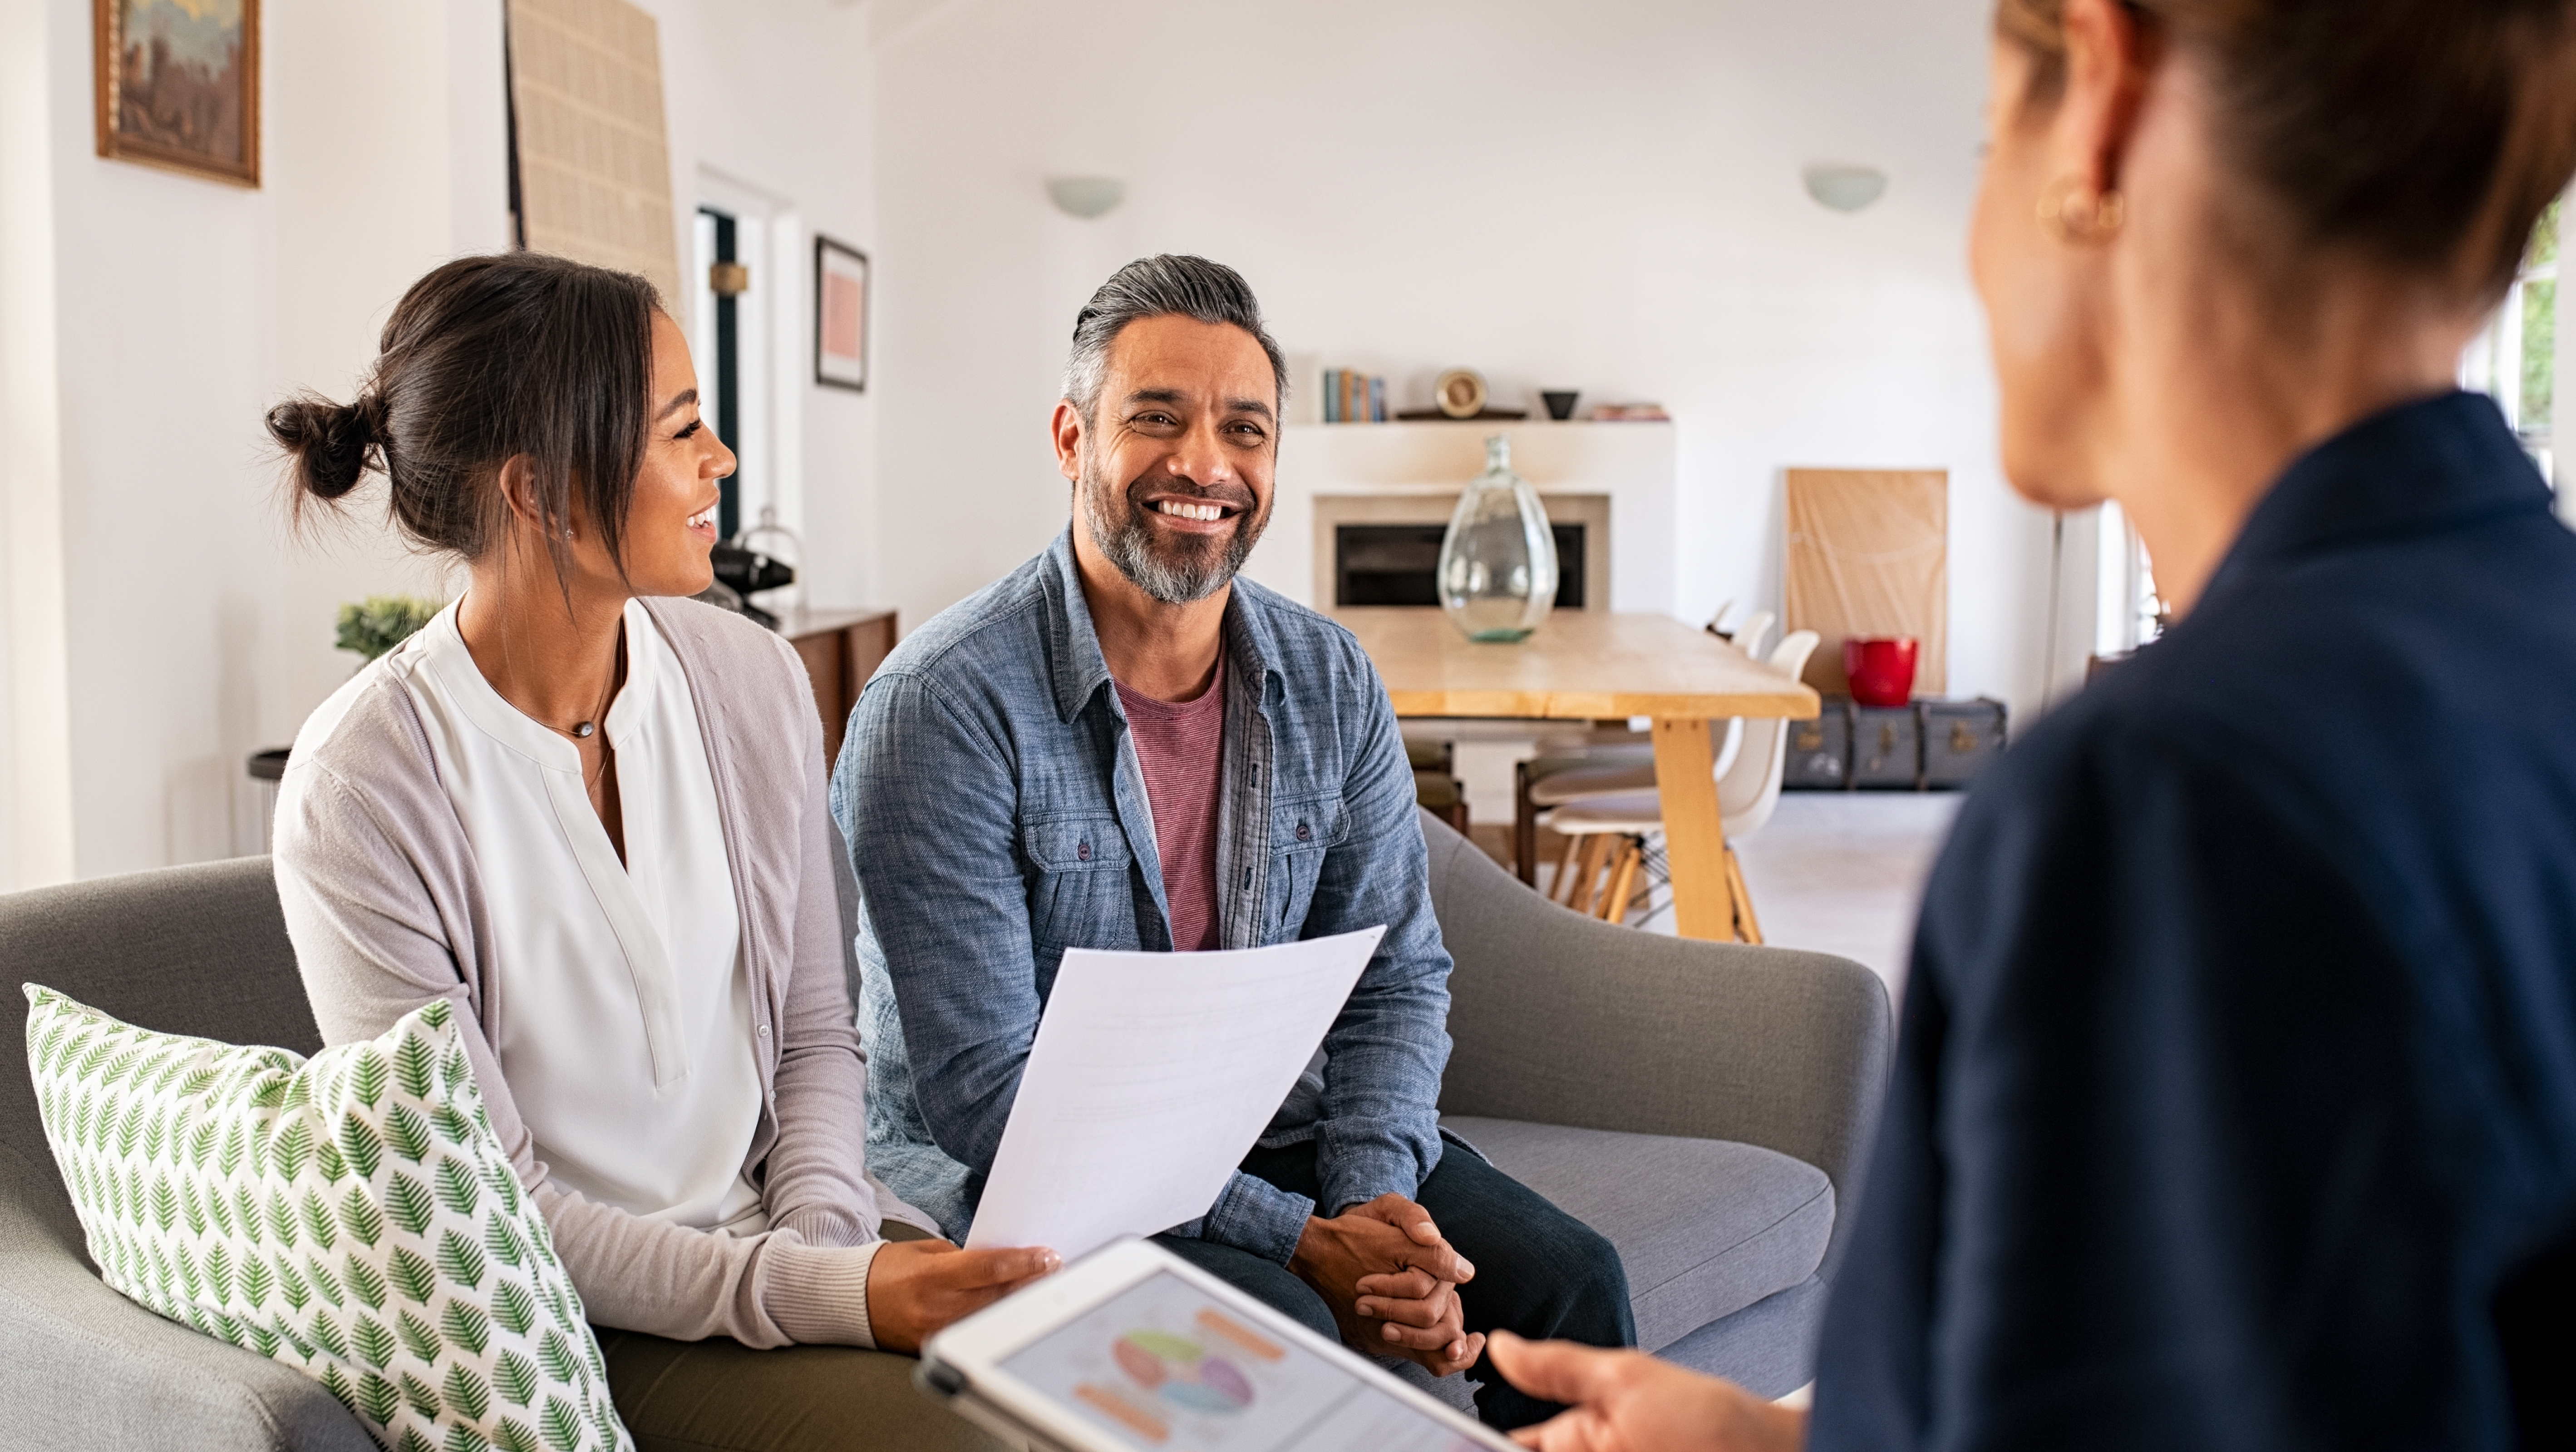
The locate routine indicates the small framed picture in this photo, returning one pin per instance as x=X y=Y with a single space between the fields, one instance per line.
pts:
x=178 y=85
x=840 y=315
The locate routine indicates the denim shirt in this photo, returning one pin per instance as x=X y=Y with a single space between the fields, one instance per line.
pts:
x=996 y=816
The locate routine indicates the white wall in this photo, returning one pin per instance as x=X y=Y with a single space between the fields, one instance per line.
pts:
x=1605 y=197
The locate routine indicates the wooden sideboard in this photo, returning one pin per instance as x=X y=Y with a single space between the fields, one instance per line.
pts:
x=841 y=649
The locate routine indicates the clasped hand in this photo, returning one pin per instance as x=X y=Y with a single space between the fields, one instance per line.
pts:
x=1392 y=1282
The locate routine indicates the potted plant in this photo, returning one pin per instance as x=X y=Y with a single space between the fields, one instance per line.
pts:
x=380 y=622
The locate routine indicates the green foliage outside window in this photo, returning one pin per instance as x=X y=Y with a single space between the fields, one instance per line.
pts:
x=380 y=622
x=2540 y=327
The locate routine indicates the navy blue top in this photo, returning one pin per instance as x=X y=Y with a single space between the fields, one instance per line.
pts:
x=2235 y=1104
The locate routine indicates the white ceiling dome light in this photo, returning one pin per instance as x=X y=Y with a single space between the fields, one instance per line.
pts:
x=1845 y=188
x=1086 y=196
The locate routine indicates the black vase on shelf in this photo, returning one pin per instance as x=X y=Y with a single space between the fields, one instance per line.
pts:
x=1560 y=403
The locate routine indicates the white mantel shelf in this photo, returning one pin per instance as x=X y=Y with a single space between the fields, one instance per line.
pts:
x=1634 y=465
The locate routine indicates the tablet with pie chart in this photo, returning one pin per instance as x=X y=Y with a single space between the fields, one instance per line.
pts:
x=1167 y=1357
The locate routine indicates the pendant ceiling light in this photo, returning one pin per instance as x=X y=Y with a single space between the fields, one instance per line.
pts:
x=1086 y=196
x=1846 y=188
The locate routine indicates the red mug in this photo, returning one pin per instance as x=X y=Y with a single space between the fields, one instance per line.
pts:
x=1881 y=668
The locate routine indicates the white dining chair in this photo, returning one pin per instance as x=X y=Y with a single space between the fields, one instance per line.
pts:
x=1752 y=634
x=1568 y=784
x=1606 y=833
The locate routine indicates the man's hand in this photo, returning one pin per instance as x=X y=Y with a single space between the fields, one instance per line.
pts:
x=1392 y=1283
x=1627 y=1401
x=915 y=1287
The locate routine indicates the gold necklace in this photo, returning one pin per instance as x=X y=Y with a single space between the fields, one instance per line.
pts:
x=584 y=730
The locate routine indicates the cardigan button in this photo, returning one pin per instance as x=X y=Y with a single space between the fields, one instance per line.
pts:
x=764 y=1031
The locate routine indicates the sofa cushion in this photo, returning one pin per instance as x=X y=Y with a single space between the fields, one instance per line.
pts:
x=1705 y=1227
x=352 y=1216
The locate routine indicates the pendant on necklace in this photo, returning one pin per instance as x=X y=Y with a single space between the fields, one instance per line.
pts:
x=583 y=729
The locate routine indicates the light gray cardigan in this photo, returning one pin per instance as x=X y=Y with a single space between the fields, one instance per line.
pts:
x=386 y=914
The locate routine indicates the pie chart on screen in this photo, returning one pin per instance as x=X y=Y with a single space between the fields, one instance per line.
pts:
x=1182 y=1372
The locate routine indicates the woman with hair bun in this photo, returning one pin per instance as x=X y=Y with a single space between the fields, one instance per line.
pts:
x=591 y=814
x=2235 y=1100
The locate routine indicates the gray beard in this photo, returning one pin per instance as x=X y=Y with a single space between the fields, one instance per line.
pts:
x=1130 y=546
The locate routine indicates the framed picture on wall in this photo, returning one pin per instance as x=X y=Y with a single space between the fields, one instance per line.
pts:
x=178 y=85
x=840 y=315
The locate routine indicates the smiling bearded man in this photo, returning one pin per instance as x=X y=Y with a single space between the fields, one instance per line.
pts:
x=1121 y=745
x=1173 y=568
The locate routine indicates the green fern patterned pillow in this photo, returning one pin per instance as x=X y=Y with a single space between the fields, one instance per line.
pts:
x=352 y=1216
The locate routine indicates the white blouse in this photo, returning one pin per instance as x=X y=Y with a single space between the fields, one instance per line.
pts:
x=628 y=1044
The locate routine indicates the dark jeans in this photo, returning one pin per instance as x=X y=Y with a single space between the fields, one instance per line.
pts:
x=1540 y=1272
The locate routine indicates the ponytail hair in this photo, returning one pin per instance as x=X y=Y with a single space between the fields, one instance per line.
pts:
x=485 y=360
x=330 y=445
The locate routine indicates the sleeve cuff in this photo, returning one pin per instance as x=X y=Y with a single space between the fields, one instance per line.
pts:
x=818 y=1294
x=1357 y=1174
x=1252 y=1214
x=823 y=1225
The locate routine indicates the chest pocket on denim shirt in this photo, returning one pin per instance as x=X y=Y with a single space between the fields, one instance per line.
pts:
x=1079 y=893
x=1300 y=832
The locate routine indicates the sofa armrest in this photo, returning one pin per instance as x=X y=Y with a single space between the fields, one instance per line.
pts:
x=1557 y=1018
x=93 y=1371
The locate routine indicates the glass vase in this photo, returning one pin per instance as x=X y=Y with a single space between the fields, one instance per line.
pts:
x=1498 y=561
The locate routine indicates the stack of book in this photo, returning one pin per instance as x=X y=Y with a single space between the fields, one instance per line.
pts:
x=1351 y=397
x=1630 y=413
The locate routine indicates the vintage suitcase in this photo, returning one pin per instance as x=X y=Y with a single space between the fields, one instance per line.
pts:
x=1886 y=749
x=1960 y=738
x=1819 y=754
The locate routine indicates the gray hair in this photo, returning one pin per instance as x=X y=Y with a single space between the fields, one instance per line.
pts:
x=1170 y=285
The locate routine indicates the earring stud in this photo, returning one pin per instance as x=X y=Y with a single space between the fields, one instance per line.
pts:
x=2074 y=215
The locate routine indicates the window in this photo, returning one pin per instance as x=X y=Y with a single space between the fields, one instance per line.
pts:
x=747 y=333
x=2127 y=613
x=2515 y=359
x=718 y=352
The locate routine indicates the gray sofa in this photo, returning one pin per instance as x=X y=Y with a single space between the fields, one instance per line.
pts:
x=1700 y=1104
x=1704 y=1105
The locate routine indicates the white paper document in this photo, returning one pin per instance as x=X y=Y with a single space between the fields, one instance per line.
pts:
x=1150 y=1078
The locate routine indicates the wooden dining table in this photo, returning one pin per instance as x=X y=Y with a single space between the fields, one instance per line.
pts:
x=1594 y=665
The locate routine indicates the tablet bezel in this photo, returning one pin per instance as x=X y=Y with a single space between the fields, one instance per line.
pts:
x=976 y=1347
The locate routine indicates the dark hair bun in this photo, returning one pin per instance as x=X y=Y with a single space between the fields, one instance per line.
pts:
x=329 y=441
x=487 y=359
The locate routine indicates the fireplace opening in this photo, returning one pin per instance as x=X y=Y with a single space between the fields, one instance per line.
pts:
x=1399 y=564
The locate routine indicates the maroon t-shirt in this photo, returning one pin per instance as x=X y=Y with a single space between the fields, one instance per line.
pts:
x=1181 y=746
